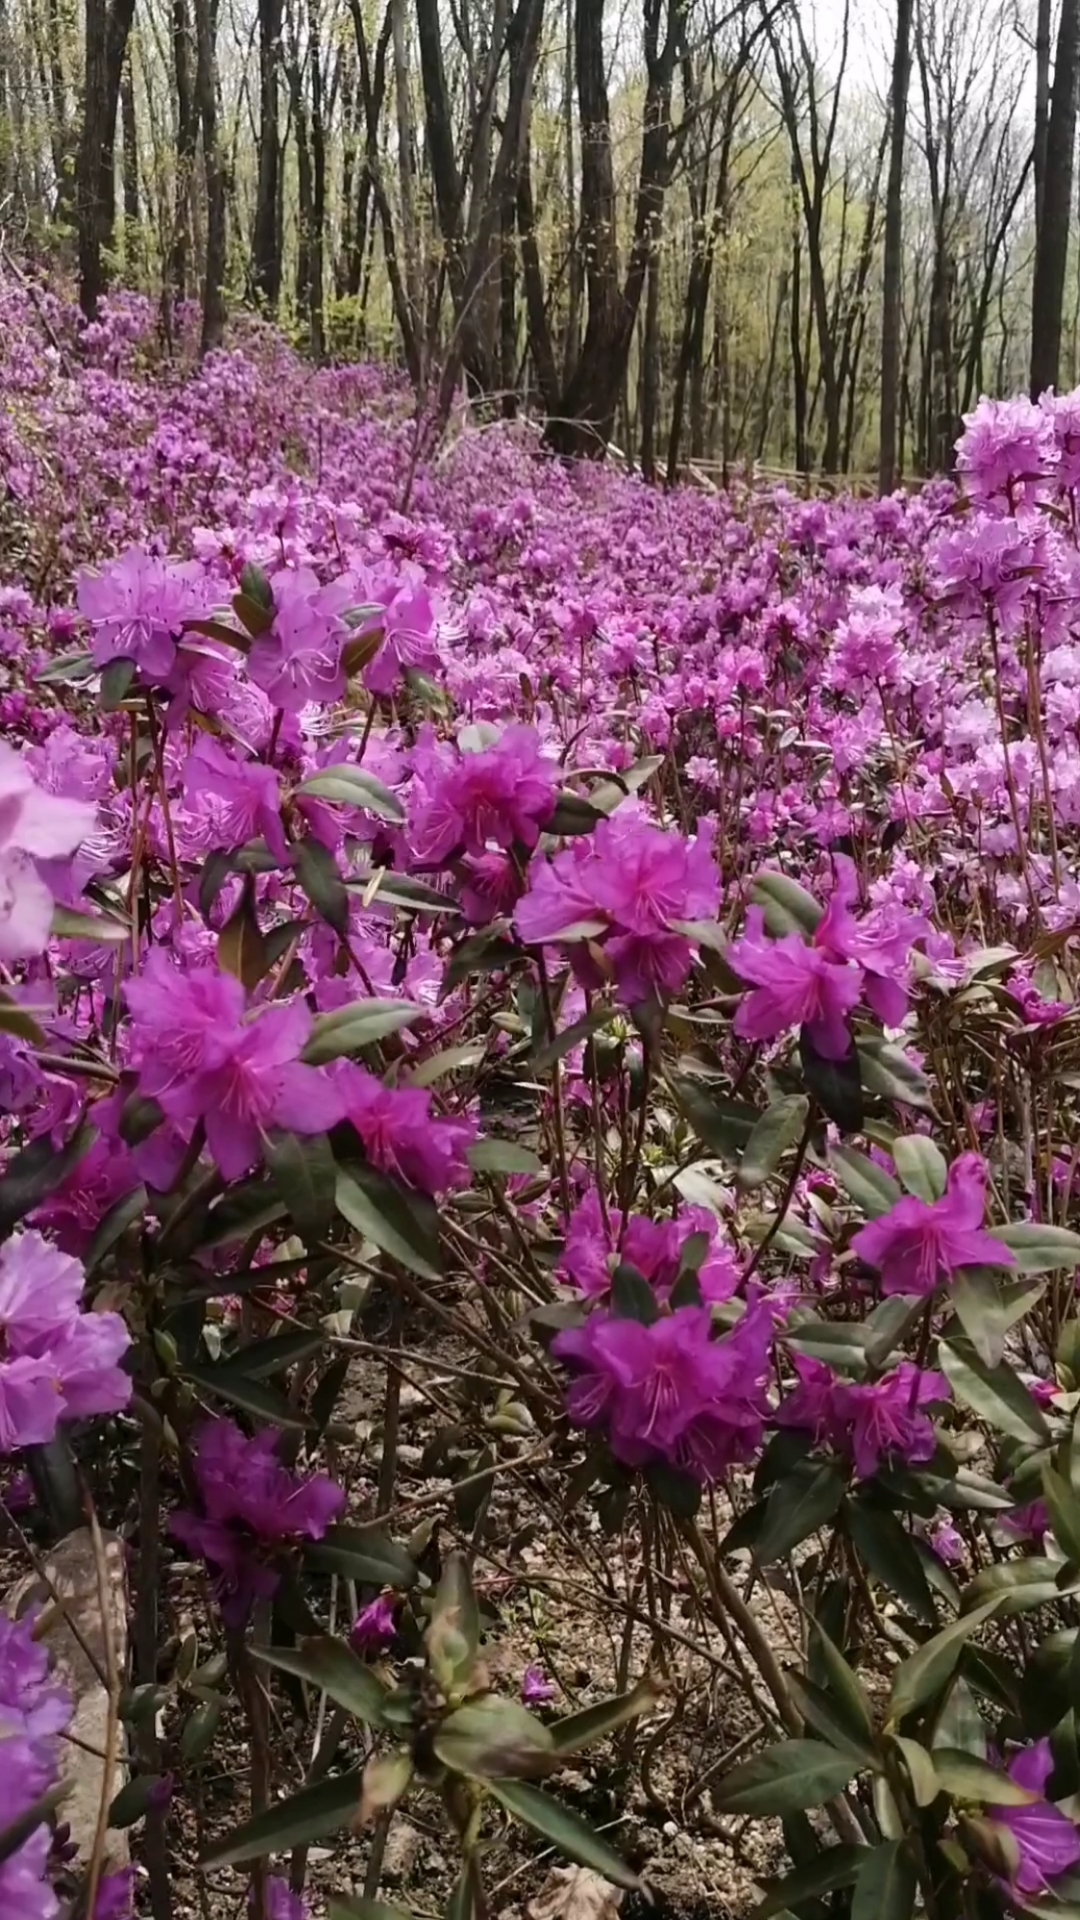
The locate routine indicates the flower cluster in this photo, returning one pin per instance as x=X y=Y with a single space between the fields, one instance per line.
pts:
x=56 y=1361
x=867 y=1421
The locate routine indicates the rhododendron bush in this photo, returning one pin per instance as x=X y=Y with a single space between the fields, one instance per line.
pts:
x=604 y=960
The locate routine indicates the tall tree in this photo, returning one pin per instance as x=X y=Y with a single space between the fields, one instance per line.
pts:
x=206 y=93
x=893 y=264
x=1052 y=242
x=266 y=262
x=107 y=25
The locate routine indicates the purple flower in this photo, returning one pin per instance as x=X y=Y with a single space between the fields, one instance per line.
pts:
x=297 y=661
x=865 y=1420
x=399 y=1134
x=253 y=1509
x=244 y=796
x=880 y=943
x=34 y=825
x=137 y=606
x=57 y=1362
x=919 y=1243
x=407 y=622
x=25 y=1893
x=654 y=1247
x=535 y=1687
x=282 y=1903
x=795 y=985
x=200 y=1058
x=373 y=1629
x=1047 y=1840
x=466 y=802
x=114 y=1895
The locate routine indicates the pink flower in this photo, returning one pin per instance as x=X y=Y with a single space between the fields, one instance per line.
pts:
x=1047 y=1839
x=795 y=985
x=918 y=1243
x=408 y=623
x=535 y=1687
x=464 y=802
x=373 y=1629
x=1007 y=452
x=244 y=794
x=399 y=1133
x=880 y=943
x=137 y=606
x=865 y=1420
x=34 y=825
x=56 y=1362
x=298 y=659
x=654 y=1247
x=201 y=1059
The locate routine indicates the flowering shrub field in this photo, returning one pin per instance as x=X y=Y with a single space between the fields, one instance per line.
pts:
x=618 y=949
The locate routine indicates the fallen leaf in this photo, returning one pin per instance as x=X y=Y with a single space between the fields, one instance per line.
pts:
x=575 y=1893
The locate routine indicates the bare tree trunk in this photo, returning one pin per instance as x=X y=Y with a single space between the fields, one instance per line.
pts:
x=266 y=264
x=405 y=310
x=410 y=225
x=649 y=386
x=893 y=267
x=107 y=27
x=213 y=313
x=1042 y=105
x=318 y=189
x=187 y=134
x=1052 y=245
x=130 y=148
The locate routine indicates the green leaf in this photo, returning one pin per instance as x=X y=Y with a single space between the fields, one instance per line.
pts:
x=925 y=1785
x=922 y=1167
x=1016 y=1586
x=826 y=1717
x=835 y=1084
x=18 y=1831
x=632 y=1298
x=447 y=1060
x=565 y=1042
x=198 y=1731
x=116 y=683
x=968 y=1778
x=113 y=1225
x=486 y=952
x=885 y=1887
x=347 y=1030
x=722 y=1125
x=784 y=1779
x=351 y=787
x=502 y=1156
x=798 y=1506
x=18 y=1020
x=353 y=1906
x=890 y=1075
x=241 y=946
x=402 y=1224
x=37 y=1171
x=843 y=1684
x=563 y=1830
x=273 y=1355
x=994 y=1393
x=255 y=586
x=135 y=1797
x=834 y=1867
x=778 y=1129
x=975 y=1297
x=1038 y=1247
x=394 y=889
x=610 y=793
x=918 y=1678
x=72 y=923
x=873 y=1190
x=317 y=871
x=333 y=1668
x=788 y=907
x=573 y=814
x=960 y=1724
x=73 y=667
x=1064 y=1510
x=679 y=1492
x=226 y=1383
x=891 y=1556
x=890 y=1323
x=309 y=1815
x=304 y=1173
x=575 y=1731
x=453 y=1633
x=363 y=1554
x=494 y=1739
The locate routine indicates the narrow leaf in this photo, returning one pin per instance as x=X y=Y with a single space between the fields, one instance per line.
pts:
x=307 y=1816
x=778 y=1129
x=784 y=1779
x=403 y=1225
x=333 y=1668
x=562 y=1829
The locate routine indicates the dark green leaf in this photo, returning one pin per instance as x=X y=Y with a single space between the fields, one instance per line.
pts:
x=889 y=1325
x=134 y=1798
x=198 y=1730
x=349 y=1029
x=918 y=1678
x=968 y=1778
x=486 y=952
x=317 y=871
x=36 y=1172
x=573 y=814
x=401 y=890
x=563 y=1830
x=241 y=947
x=113 y=1225
x=888 y=1073
x=226 y=1383
x=835 y=1084
x=579 y=1730
x=788 y=907
x=921 y=1165
x=116 y=683
x=925 y=1785
x=305 y=1175
x=502 y=1156
x=778 y=1129
x=679 y=1492
x=309 y=1815
x=632 y=1298
x=994 y=1393
x=1038 y=1247
x=73 y=923
x=494 y=1739
x=889 y=1553
x=263 y=1358
x=784 y=1779
x=333 y=1668
x=722 y=1125
x=256 y=587
x=873 y=1190
x=362 y=1554
x=571 y=1037
x=885 y=1887
x=402 y=1224
x=72 y=667
x=843 y=1684
x=798 y=1506
x=824 y=1715
x=975 y=1297
x=1064 y=1510
x=351 y=787
x=833 y=1867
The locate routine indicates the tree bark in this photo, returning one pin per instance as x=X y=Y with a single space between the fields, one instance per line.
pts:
x=107 y=27
x=893 y=266
x=213 y=303
x=1052 y=245
x=187 y=134
x=1042 y=104
x=266 y=264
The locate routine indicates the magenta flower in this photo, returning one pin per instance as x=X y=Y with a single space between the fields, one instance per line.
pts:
x=399 y=1134
x=202 y=1059
x=56 y=1362
x=866 y=1420
x=795 y=985
x=463 y=802
x=34 y=825
x=297 y=661
x=1047 y=1839
x=137 y=605
x=919 y=1243
x=654 y=1247
x=408 y=623
x=536 y=1688
x=373 y=1629
x=880 y=943
x=244 y=797
x=114 y=1895
x=282 y=1903
x=254 y=1509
